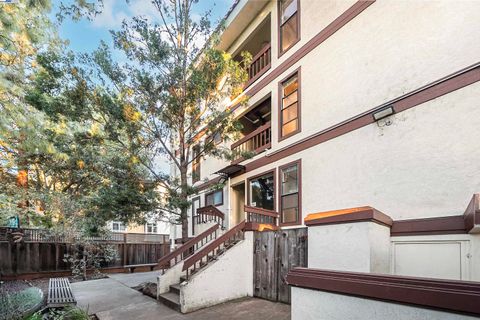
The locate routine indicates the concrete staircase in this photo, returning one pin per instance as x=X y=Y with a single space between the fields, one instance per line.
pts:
x=193 y=264
x=172 y=298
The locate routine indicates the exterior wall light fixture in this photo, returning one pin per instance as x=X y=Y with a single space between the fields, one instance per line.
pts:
x=383 y=113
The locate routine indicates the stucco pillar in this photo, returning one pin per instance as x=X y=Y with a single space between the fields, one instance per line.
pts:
x=356 y=239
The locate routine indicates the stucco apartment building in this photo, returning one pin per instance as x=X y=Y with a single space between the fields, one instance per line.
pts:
x=364 y=119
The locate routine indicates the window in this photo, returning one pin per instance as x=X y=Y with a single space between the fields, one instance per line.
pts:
x=290 y=106
x=290 y=193
x=151 y=228
x=195 y=164
x=214 y=198
x=262 y=191
x=118 y=226
x=289 y=24
x=217 y=138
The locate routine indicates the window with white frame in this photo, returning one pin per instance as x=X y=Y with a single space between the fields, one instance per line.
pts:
x=118 y=226
x=151 y=228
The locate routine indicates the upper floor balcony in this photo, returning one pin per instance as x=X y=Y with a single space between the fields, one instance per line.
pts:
x=258 y=44
x=256 y=132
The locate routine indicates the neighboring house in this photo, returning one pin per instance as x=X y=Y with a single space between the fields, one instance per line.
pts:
x=352 y=104
x=156 y=227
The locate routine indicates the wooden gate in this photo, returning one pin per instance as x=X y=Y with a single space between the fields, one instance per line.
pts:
x=275 y=253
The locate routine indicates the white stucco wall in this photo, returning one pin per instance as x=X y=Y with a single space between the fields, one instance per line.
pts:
x=423 y=165
x=229 y=277
x=170 y=277
x=455 y=256
x=359 y=246
x=319 y=305
x=199 y=228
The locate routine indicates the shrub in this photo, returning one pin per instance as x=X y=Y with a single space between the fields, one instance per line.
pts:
x=18 y=305
x=89 y=255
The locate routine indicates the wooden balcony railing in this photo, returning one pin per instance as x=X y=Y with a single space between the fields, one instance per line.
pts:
x=209 y=214
x=255 y=141
x=214 y=248
x=187 y=249
x=256 y=216
x=261 y=62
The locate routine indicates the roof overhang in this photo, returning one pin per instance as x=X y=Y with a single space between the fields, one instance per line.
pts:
x=238 y=18
x=231 y=170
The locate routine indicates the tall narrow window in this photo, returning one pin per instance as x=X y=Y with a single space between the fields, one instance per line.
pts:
x=289 y=106
x=289 y=22
x=290 y=193
x=195 y=164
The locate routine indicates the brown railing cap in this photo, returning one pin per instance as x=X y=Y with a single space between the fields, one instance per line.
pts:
x=472 y=213
x=358 y=214
x=204 y=251
x=451 y=295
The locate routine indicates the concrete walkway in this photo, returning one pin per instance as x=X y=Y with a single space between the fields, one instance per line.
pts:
x=134 y=279
x=110 y=299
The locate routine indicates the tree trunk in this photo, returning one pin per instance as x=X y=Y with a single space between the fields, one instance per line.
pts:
x=184 y=199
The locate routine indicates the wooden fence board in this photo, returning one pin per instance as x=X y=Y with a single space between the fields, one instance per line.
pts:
x=31 y=257
x=275 y=253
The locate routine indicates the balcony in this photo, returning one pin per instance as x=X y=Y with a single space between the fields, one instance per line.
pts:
x=257 y=132
x=258 y=45
x=254 y=142
x=260 y=64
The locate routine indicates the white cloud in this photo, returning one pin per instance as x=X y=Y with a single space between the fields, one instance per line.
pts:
x=111 y=16
x=144 y=8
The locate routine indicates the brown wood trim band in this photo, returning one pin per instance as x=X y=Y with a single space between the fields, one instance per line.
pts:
x=472 y=215
x=320 y=37
x=208 y=184
x=359 y=214
x=429 y=226
x=452 y=296
x=446 y=85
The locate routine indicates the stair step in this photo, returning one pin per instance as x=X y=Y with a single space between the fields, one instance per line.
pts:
x=175 y=288
x=182 y=279
x=171 y=300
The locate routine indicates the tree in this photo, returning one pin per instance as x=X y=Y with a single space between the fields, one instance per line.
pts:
x=24 y=29
x=173 y=87
x=56 y=158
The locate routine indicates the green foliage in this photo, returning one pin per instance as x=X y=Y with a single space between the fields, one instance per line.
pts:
x=67 y=313
x=17 y=305
x=174 y=88
x=71 y=138
x=89 y=255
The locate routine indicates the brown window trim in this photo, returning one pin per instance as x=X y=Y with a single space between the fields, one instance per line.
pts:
x=299 y=172
x=299 y=104
x=280 y=52
x=194 y=213
x=249 y=179
x=212 y=192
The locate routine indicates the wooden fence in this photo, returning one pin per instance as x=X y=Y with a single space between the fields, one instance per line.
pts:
x=275 y=253
x=41 y=252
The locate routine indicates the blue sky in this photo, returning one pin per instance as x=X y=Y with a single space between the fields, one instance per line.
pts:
x=85 y=35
